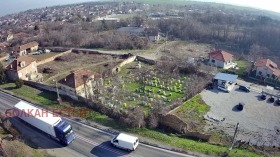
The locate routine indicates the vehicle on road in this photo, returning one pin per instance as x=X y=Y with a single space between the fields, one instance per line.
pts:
x=45 y=121
x=244 y=88
x=125 y=141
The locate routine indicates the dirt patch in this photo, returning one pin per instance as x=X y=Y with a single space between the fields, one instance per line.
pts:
x=63 y=65
x=183 y=49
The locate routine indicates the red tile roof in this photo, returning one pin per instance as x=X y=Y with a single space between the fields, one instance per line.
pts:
x=15 y=65
x=19 y=35
x=28 y=45
x=266 y=62
x=76 y=78
x=269 y=64
x=220 y=55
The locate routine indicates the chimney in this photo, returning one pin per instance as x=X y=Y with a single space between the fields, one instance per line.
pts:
x=22 y=63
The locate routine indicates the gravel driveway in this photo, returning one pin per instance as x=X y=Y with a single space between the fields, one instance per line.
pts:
x=259 y=121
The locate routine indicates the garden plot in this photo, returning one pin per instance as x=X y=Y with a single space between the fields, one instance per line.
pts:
x=147 y=93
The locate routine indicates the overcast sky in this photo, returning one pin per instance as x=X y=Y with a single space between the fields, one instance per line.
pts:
x=273 y=5
x=13 y=6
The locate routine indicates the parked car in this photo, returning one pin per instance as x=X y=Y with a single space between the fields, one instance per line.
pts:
x=278 y=101
x=271 y=99
x=263 y=96
x=240 y=106
x=47 y=51
x=277 y=88
x=223 y=89
x=244 y=88
x=209 y=86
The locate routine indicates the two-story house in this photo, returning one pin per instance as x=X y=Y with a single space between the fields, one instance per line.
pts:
x=27 y=48
x=23 y=67
x=221 y=59
x=78 y=83
x=267 y=69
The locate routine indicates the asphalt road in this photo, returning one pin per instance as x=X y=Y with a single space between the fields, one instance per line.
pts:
x=89 y=141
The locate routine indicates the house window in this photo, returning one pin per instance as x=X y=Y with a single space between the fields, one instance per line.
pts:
x=260 y=73
x=268 y=75
x=19 y=74
x=213 y=61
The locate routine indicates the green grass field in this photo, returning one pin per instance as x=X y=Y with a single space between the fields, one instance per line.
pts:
x=193 y=111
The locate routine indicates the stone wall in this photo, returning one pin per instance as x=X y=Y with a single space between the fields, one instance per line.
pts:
x=47 y=88
x=85 y=51
x=123 y=63
x=52 y=58
x=145 y=60
x=178 y=125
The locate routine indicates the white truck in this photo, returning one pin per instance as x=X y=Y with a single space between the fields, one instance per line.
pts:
x=44 y=121
x=125 y=141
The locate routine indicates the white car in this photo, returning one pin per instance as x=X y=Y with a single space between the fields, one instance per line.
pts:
x=223 y=89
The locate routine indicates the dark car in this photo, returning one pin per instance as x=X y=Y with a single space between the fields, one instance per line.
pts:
x=271 y=99
x=244 y=88
x=263 y=96
x=278 y=101
x=240 y=106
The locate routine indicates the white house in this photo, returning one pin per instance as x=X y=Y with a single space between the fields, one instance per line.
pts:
x=267 y=69
x=221 y=59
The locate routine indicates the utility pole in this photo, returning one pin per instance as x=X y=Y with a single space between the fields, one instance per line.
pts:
x=234 y=136
x=57 y=92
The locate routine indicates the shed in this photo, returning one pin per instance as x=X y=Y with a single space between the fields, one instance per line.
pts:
x=225 y=79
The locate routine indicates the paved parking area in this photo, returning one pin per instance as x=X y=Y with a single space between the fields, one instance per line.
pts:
x=259 y=121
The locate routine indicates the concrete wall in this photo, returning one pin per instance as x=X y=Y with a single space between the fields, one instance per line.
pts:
x=145 y=60
x=126 y=61
x=52 y=58
x=47 y=88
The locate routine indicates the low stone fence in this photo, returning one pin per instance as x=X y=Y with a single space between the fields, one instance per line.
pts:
x=123 y=63
x=86 y=51
x=52 y=58
x=145 y=60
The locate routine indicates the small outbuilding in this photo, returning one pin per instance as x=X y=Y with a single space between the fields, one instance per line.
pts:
x=225 y=80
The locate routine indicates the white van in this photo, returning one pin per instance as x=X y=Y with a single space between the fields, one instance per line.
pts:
x=125 y=141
